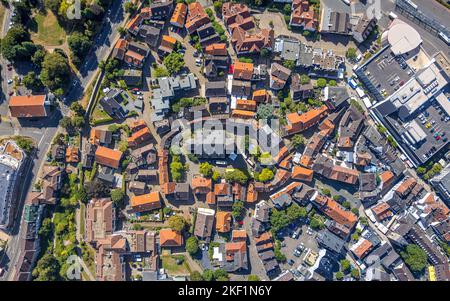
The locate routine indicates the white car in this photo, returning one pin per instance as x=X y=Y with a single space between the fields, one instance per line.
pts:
x=10 y=81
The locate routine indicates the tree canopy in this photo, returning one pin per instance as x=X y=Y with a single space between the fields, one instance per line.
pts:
x=266 y=175
x=206 y=169
x=55 y=72
x=174 y=62
x=236 y=175
x=294 y=212
x=278 y=220
x=415 y=258
x=79 y=45
x=192 y=245
x=177 y=222
x=16 y=44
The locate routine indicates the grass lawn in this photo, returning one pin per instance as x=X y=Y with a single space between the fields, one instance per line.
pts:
x=99 y=116
x=47 y=30
x=169 y=263
x=82 y=217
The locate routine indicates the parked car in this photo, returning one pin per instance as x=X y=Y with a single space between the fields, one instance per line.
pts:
x=291 y=262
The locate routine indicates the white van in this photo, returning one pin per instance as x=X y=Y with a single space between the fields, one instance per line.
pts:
x=392 y=15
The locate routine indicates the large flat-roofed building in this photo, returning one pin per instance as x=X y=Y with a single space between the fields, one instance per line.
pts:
x=416 y=114
x=408 y=87
x=11 y=159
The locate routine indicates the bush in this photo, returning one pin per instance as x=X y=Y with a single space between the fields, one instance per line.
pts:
x=192 y=245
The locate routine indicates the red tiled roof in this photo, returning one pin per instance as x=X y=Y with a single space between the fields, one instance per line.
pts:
x=27 y=106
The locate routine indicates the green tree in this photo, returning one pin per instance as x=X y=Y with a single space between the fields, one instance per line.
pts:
x=321 y=83
x=206 y=169
x=192 y=245
x=177 y=222
x=216 y=176
x=173 y=62
x=265 y=111
x=238 y=210
x=236 y=175
x=347 y=205
x=364 y=221
x=345 y=265
x=294 y=212
x=11 y=45
x=278 y=220
x=332 y=83
x=196 y=276
x=289 y=64
x=38 y=56
x=253 y=278
x=130 y=7
x=298 y=140
x=208 y=275
x=47 y=269
x=77 y=108
x=55 y=72
x=351 y=53
x=279 y=256
x=221 y=275
x=326 y=192
x=25 y=144
x=421 y=170
x=316 y=223
x=339 y=275
x=415 y=258
x=287 y=9
x=79 y=44
x=117 y=196
x=123 y=145
x=355 y=273
x=32 y=81
x=304 y=79
x=266 y=175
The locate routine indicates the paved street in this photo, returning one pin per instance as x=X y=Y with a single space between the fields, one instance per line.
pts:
x=43 y=131
x=103 y=43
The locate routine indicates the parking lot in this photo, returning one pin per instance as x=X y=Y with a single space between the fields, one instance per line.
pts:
x=432 y=120
x=388 y=73
x=307 y=242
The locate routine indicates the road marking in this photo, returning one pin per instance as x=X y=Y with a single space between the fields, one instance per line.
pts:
x=42 y=138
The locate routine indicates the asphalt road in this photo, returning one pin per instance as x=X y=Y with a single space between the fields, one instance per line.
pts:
x=102 y=45
x=5 y=73
x=43 y=131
